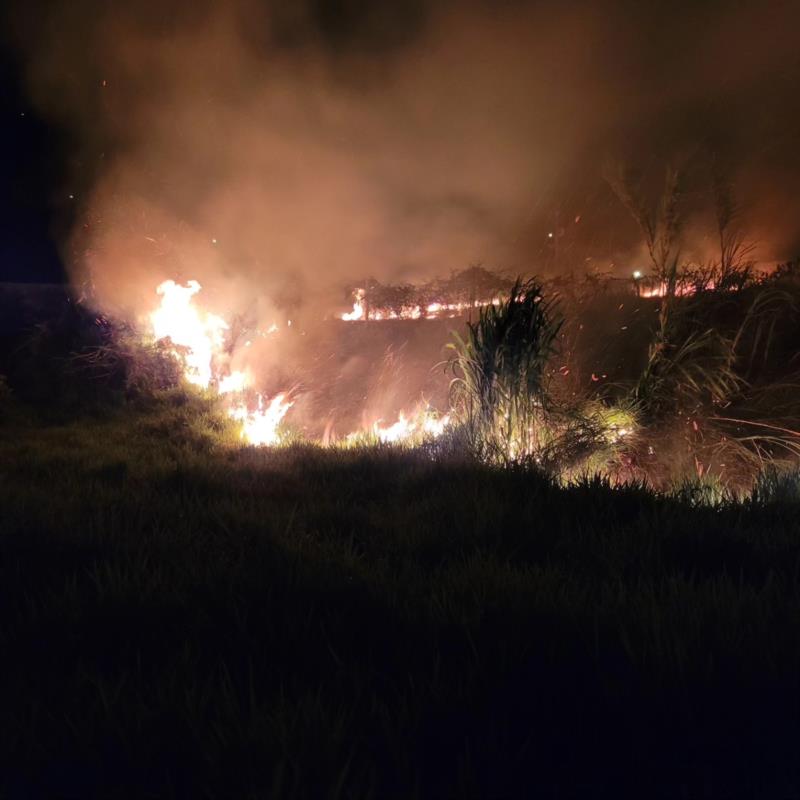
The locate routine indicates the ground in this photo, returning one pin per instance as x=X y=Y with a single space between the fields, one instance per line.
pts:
x=180 y=616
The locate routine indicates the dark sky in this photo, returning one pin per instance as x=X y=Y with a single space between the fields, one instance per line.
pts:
x=29 y=185
x=397 y=138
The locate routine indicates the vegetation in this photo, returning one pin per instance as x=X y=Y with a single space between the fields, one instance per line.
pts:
x=534 y=603
x=711 y=358
x=498 y=389
x=183 y=617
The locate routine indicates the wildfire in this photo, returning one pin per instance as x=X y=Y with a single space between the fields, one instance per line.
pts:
x=199 y=340
x=422 y=424
x=358 y=307
x=199 y=337
x=661 y=289
x=400 y=430
x=260 y=427
x=235 y=382
x=200 y=334
x=429 y=311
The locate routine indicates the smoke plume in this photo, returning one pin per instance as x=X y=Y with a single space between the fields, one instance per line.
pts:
x=277 y=151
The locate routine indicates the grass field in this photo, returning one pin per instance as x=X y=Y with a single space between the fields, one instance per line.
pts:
x=180 y=616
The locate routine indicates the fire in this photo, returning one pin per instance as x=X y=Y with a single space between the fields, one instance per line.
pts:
x=402 y=429
x=199 y=337
x=237 y=381
x=260 y=427
x=681 y=289
x=201 y=334
x=423 y=424
x=358 y=307
x=435 y=426
x=429 y=311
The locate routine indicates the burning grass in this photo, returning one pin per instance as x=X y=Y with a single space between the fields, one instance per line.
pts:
x=691 y=386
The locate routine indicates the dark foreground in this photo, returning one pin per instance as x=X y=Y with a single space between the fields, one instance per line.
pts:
x=181 y=618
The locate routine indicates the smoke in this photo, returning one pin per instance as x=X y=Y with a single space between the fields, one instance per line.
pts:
x=275 y=152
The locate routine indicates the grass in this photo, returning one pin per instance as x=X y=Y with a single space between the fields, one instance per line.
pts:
x=498 y=388
x=181 y=617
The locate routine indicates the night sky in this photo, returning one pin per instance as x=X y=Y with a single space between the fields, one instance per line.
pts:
x=408 y=138
x=29 y=184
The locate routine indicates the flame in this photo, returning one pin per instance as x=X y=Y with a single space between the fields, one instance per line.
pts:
x=660 y=290
x=199 y=333
x=237 y=381
x=435 y=426
x=422 y=424
x=199 y=337
x=358 y=307
x=260 y=427
x=430 y=311
x=402 y=429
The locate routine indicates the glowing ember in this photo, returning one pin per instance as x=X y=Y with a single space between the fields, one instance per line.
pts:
x=260 y=427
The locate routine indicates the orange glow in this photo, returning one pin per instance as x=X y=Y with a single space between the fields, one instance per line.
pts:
x=430 y=311
x=199 y=337
x=199 y=333
x=423 y=423
x=260 y=427
x=200 y=347
x=358 y=307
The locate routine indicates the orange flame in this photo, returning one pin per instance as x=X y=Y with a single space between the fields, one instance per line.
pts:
x=200 y=333
x=260 y=427
x=430 y=311
x=200 y=337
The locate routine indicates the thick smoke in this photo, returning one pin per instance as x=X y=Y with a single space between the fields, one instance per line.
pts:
x=277 y=151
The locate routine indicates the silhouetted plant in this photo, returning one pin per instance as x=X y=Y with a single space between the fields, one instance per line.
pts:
x=499 y=367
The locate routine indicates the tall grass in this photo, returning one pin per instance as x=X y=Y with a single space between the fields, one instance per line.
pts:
x=499 y=385
x=503 y=395
x=183 y=618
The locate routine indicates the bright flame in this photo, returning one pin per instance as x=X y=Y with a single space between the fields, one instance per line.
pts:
x=430 y=311
x=199 y=337
x=358 y=307
x=660 y=290
x=201 y=333
x=435 y=426
x=235 y=382
x=400 y=430
x=260 y=427
x=423 y=424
